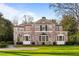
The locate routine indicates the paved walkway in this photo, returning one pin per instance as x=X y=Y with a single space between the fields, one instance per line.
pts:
x=7 y=49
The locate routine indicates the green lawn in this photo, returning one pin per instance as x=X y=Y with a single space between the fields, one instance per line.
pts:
x=44 y=51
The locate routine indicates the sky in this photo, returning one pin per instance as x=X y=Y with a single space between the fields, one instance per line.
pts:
x=16 y=11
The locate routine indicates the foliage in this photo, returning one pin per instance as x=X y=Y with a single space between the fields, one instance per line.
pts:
x=69 y=24
x=74 y=38
x=67 y=9
x=9 y=42
x=3 y=44
x=27 y=19
x=6 y=30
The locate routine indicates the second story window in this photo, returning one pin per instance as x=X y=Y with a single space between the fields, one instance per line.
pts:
x=46 y=27
x=58 y=28
x=43 y=27
x=40 y=27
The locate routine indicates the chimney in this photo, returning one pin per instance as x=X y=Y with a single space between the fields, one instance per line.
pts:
x=44 y=18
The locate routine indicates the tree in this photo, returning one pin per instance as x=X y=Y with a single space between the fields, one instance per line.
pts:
x=70 y=21
x=66 y=9
x=27 y=19
x=1 y=14
x=6 y=30
x=15 y=21
x=69 y=24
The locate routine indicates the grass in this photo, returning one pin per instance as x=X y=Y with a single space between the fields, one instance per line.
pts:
x=44 y=51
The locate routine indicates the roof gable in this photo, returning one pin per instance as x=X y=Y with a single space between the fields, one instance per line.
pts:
x=45 y=21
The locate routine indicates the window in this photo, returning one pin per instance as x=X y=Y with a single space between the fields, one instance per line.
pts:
x=27 y=38
x=46 y=38
x=40 y=27
x=43 y=27
x=61 y=38
x=43 y=38
x=39 y=38
x=46 y=27
x=57 y=28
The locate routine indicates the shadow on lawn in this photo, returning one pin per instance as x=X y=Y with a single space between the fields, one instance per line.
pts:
x=41 y=53
x=15 y=53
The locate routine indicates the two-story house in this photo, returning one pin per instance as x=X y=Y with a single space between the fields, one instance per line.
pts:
x=41 y=32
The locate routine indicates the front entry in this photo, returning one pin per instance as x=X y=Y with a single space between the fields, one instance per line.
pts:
x=43 y=38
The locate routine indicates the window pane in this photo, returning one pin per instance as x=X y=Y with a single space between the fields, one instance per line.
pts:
x=40 y=27
x=46 y=38
x=63 y=38
x=39 y=38
x=60 y=38
x=46 y=27
x=26 y=38
x=43 y=38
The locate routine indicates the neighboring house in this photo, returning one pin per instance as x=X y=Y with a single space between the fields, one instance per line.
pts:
x=41 y=32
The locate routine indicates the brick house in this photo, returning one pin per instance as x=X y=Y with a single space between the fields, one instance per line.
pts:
x=41 y=32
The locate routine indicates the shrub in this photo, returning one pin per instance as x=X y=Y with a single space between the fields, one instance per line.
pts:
x=70 y=43
x=3 y=44
x=73 y=39
x=9 y=42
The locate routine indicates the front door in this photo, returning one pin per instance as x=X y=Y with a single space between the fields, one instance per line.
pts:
x=43 y=38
